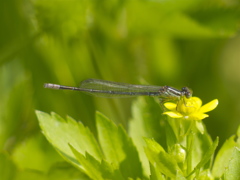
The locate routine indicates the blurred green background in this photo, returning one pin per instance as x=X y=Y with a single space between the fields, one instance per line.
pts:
x=159 y=42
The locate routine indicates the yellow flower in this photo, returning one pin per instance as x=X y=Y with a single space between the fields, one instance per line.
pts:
x=190 y=108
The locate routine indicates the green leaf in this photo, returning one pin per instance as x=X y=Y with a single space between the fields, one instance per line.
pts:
x=144 y=123
x=63 y=171
x=7 y=167
x=118 y=147
x=110 y=140
x=180 y=177
x=201 y=145
x=96 y=170
x=199 y=126
x=206 y=157
x=232 y=171
x=60 y=132
x=163 y=161
x=171 y=137
x=223 y=157
x=155 y=173
x=89 y=163
x=205 y=175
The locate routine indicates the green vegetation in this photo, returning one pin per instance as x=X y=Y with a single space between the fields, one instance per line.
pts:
x=177 y=150
x=159 y=42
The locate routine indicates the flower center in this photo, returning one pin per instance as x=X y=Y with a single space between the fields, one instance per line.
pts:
x=187 y=106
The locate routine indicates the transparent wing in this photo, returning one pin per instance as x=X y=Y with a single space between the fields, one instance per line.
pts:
x=104 y=88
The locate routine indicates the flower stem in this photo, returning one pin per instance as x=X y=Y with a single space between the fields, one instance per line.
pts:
x=189 y=153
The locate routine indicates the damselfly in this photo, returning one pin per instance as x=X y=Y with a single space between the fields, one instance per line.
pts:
x=109 y=89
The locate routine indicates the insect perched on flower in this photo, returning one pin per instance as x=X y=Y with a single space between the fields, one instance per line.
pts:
x=190 y=108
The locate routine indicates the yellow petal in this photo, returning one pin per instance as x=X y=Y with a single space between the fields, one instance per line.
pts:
x=173 y=114
x=197 y=116
x=170 y=106
x=197 y=102
x=209 y=106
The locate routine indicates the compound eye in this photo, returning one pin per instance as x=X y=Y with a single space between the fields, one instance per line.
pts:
x=187 y=92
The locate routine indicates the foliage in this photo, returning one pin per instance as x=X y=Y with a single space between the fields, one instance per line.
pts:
x=186 y=156
x=159 y=42
x=119 y=158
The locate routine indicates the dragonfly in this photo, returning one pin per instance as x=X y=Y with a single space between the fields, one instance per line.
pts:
x=109 y=89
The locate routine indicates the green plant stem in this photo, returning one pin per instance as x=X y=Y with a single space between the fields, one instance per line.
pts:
x=189 y=153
